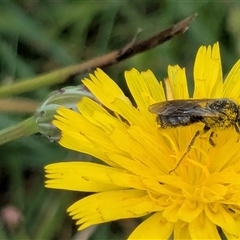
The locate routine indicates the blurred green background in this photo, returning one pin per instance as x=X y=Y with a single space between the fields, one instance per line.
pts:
x=40 y=36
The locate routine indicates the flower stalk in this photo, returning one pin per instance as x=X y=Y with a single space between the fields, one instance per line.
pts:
x=22 y=129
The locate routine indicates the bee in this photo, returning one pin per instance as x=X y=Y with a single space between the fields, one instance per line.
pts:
x=222 y=113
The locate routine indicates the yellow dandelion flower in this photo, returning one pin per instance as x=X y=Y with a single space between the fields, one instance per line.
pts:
x=197 y=199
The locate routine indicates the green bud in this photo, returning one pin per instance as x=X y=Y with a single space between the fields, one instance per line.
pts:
x=67 y=97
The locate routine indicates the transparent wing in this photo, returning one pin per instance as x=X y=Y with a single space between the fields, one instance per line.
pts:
x=192 y=107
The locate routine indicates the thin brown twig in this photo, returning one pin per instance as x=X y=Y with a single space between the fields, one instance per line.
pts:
x=133 y=48
x=63 y=74
x=160 y=38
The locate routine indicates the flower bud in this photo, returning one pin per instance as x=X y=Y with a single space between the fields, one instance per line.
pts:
x=67 y=97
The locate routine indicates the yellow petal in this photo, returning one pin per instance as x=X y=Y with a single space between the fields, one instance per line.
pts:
x=97 y=115
x=125 y=141
x=140 y=92
x=111 y=205
x=171 y=211
x=169 y=90
x=234 y=236
x=130 y=113
x=178 y=82
x=218 y=87
x=78 y=142
x=189 y=210
x=104 y=89
x=203 y=228
x=91 y=177
x=219 y=216
x=181 y=231
x=206 y=72
x=152 y=148
x=81 y=135
x=231 y=86
x=77 y=176
x=154 y=227
x=155 y=88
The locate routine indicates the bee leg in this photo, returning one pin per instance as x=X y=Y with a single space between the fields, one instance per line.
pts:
x=237 y=130
x=187 y=150
x=211 y=139
x=205 y=130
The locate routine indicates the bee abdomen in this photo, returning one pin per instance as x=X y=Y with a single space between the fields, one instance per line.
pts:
x=175 y=121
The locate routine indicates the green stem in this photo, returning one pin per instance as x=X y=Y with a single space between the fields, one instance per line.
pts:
x=24 y=128
x=39 y=81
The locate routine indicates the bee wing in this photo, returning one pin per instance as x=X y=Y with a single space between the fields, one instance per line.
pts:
x=192 y=107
